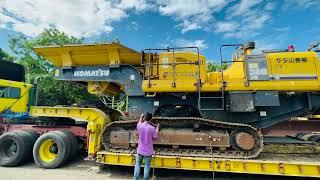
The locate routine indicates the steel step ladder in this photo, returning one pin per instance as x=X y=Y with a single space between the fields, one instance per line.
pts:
x=223 y=84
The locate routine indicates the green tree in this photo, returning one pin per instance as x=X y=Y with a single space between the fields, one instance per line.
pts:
x=53 y=92
x=213 y=67
x=5 y=56
x=116 y=40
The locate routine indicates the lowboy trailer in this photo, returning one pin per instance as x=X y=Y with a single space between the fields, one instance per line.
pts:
x=53 y=135
x=300 y=165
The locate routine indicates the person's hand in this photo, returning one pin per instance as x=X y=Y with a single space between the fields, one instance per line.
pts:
x=158 y=127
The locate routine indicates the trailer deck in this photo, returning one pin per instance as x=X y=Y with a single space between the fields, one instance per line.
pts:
x=303 y=164
x=266 y=164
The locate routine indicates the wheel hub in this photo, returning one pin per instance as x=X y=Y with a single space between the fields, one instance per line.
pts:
x=48 y=150
x=13 y=148
x=53 y=149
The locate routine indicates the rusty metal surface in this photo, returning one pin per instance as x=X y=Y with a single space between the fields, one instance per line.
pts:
x=120 y=138
x=291 y=127
x=245 y=141
x=173 y=138
x=76 y=130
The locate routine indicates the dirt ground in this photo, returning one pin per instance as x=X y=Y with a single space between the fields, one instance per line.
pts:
x=86 y=170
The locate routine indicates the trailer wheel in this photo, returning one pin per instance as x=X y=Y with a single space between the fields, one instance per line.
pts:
x=74 y=143
x=52 y=150
x=300 y=135
x=15 y=148
x=29 y=141
x=315 y=138
x=33 y=133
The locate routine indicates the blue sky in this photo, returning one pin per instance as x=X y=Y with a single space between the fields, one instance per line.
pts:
x=143 y=24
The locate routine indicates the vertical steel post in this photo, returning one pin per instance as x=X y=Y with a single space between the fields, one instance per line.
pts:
x=173 y=69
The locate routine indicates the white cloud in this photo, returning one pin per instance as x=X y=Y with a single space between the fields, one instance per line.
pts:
x=75 y=17
x=269 y=42
x=243 y=7
x=6 y=20
x=254 y=22
x=188 y=43
x=181 y=8
x=289 y=4
x=192 y=14
x=181 y=42
x=139 y=5
x=188 y=26
x=269 y=6
x=244 y=19
x=134 y=25
x=263 y=44
x=222 y=27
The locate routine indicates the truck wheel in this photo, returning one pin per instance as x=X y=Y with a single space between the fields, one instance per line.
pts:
x=316 y=138
x=300 y=135
x=74 y=143
x=33 y=133
x=14 y=148
x=28 y=144
x=52 y=150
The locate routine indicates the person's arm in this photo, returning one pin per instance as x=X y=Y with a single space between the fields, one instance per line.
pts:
x=141 y=120
x=157 y=128
x=155 y=134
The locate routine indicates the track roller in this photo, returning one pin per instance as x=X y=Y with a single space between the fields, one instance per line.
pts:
x=15 y=148
x=242 y=140
x=52 y=149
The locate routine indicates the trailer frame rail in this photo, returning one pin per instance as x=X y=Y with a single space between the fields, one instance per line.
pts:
x=257 y=166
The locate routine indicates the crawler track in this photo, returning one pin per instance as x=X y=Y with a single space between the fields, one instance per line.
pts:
x=176 y=122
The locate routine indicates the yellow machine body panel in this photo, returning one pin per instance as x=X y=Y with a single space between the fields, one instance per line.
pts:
x=282 y=71
x=183 y=72
x=300 y=65
x=89 y=55
x=285 y=71
x=174 y=71
x=14 y=96
x=103 y=88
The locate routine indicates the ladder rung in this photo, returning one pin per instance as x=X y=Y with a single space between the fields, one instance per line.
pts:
x=211 y=97
x=230 y=61
x=216 y=109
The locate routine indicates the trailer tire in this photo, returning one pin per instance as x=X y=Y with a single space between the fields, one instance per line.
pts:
x=68 y=145
x=33 y=133
x=29 y=142
x=316 y=138
x=52 y=150
x=300 y=135
x=14 y=148
x=74 y=143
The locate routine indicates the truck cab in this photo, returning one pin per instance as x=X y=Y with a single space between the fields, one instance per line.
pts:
x=14 y=92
